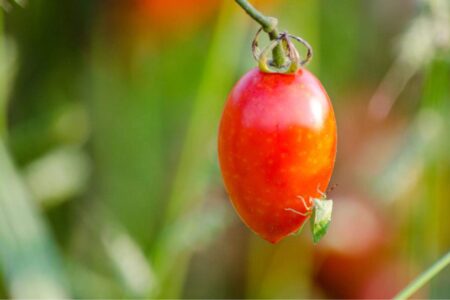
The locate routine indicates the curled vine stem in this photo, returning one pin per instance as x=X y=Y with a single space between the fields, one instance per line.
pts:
x=309 y=53
x=284 y=41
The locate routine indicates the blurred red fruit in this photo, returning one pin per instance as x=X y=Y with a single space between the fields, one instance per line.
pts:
x=358 y=227
x=168 y=16
x=355 y=244
x=386 y=281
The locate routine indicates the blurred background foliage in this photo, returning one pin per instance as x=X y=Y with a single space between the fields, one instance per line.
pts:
x=109 y=183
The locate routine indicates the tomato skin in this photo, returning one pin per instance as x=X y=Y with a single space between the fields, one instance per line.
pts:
x=277 y=145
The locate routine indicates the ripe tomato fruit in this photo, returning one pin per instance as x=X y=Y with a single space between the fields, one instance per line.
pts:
x=277 y=147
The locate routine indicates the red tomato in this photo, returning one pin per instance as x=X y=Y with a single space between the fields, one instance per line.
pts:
x=277 y=146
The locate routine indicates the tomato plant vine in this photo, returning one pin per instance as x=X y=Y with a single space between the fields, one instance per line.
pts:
x=269 y=25
x=285 y=57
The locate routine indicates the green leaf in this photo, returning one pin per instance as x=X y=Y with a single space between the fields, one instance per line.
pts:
x=30 y=260
x=321 y=218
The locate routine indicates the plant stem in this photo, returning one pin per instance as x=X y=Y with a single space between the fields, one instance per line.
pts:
x=269 y=25
x=424 y=277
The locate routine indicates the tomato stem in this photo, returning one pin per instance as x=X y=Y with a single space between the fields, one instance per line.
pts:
x=424 y=277
x=269 y=25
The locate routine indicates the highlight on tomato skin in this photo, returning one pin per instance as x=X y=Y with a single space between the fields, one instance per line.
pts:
x=277 y=147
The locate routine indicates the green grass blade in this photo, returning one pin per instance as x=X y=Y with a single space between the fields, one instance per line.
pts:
x=29 y=258
x=424 y=277
x=191 y=176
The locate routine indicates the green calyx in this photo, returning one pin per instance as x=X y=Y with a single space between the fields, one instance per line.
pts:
x=283 y=43
x=320 y=218
x=285 y=57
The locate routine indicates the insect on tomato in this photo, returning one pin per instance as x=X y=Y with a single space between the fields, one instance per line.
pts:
x=277 y=146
